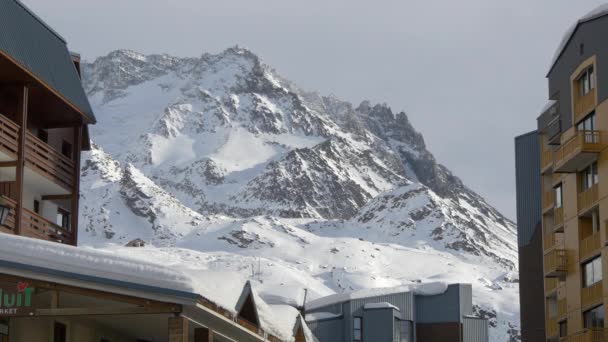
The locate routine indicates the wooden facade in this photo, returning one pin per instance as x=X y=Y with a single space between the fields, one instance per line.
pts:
x=39 y=158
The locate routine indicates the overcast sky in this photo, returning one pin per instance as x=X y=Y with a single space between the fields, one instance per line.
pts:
x=469 y=73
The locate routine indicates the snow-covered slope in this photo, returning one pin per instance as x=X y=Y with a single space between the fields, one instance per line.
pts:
x=226 y=168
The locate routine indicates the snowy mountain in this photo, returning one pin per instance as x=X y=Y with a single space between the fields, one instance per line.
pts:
x=225 y=167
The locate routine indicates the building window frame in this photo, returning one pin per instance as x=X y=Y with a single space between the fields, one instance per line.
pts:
x=594 y=317
x=589 y=177
x=558 y=196
x=592 y=271
x=586 y=81
x=357 y=328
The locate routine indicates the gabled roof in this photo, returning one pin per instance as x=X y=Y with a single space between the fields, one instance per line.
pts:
x=30 y=43
x=596 y=13
x=246 y=306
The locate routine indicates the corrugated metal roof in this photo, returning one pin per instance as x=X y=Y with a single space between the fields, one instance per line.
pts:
x=38 y=49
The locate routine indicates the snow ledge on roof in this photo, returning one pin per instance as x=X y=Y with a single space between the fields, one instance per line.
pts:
x=317 y=316
x=383 y=305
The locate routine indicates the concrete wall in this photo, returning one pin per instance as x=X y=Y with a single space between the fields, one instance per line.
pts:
x=41 y=330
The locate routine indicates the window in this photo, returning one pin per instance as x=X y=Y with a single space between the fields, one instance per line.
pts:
x=594 y=318
x=37 y=206
x=357 y=329
x=63 y=218
x=592 y=272
x=586 y=82
x=563 y=328
x=558 y=196
x=587 y=124
x=43 y=135
x=66 y=149
x=589 y=177
x=59 y=332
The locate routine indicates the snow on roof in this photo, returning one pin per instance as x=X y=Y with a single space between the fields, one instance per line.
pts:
x=383 y=305
x=317 y=316
x=427 y=289
x=89 y=262
x=599 y=11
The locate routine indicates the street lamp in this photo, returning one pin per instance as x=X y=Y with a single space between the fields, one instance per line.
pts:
x=5 y=210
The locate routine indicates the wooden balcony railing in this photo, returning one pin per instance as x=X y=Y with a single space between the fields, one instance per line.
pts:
x=588 y=335
x=565 y=157
x=34 y=225
x=547 y=200
x=9 y=135
x=591 y=295
x=588 y=198
x=48 y=162
x=550 y=285
x=562 y=308
x=583 y=105
x=551 y=327
x=9 y=224
x=590 y=246
x=555 y=262
x=549 y=241
x=558 y=218
x=546 y=159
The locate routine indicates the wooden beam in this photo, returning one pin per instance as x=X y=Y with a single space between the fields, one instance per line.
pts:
x=22 y=121
x=203 y=335
x=56 y=197
x=178 y=329
x=104 y=311
x=76 y=182
x=11 y=163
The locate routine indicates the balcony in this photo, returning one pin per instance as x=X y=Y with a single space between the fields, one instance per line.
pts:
x=588 y=335
x=547 y=201
x=578 y=151
x=550 y=286
x=583 y=105
x=549 y=241
x=590 y=246
x=546 y=160
x=591 y=295
x=51 y=171
x=36 y=226
x=562 y=308
x=558 y=219
x=556 y=263
x=587 y=199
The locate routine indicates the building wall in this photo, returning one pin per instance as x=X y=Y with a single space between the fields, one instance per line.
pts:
x=475 y=330
x=378 y=325
x=592 y=35
x=41 y=330
x=439 y=308
x=329 y=330
x=529 y=237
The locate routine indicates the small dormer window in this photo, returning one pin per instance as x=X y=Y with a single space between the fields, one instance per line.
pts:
x=586 y=82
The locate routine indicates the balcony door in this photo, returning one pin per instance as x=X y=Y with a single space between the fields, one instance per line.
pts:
x=587 y=125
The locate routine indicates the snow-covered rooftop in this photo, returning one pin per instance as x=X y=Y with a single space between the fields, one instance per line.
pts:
x=428 y=289
x=599 y=11
x=382 y=305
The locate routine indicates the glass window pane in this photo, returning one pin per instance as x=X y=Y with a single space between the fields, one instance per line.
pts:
x=357 y=323
x=597 y=269
x=357 y=335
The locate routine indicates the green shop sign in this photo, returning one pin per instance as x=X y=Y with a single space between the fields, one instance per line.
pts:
x=16 y=300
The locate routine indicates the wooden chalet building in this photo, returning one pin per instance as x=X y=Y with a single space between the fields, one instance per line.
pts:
x=44 y=114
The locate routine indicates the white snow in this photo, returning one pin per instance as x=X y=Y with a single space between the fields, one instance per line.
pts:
x=317 y=316
x=383 y=305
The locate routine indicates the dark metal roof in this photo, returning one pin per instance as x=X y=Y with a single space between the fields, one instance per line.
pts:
x=37 y=48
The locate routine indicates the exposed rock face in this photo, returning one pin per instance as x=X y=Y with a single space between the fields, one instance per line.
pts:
x=184 y=143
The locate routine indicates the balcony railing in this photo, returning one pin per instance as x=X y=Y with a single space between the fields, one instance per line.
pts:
x=546 y=160
x=590 y=246
x=9 y=224
x=9 y=134
x=34 y=225
x=583 y=105
x=558 y=219
x=588 y=335
x=579 y=150
x=556 y=263
x=550 y=285
x=591 y=295
x=48 y=162
x=552 y=328
x=562 y=308
x=549 y=241
x=587 y=199
x=547 y=201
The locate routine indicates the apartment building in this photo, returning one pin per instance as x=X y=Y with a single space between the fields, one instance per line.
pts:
x=573 y=185
x=44 y=113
